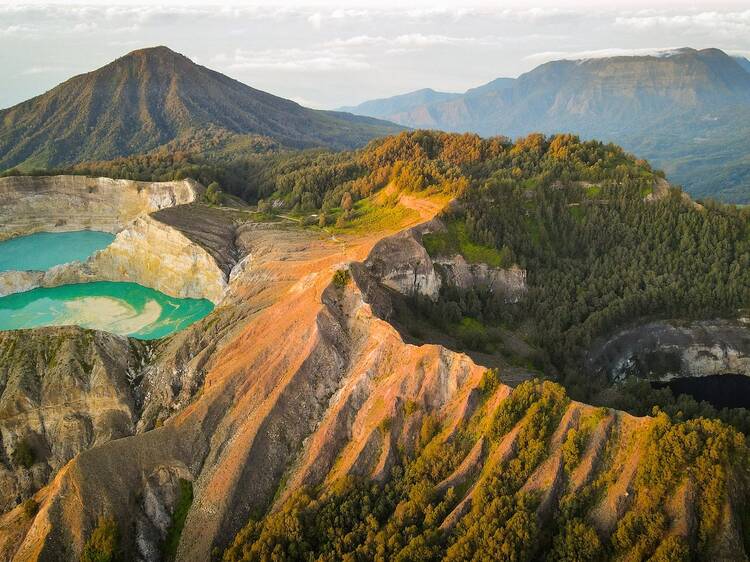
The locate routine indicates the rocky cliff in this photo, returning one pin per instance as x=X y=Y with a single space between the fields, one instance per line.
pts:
x=62 y=391
x=402 y=263
x=664 y=350
x=161 y=242
x=31 y=204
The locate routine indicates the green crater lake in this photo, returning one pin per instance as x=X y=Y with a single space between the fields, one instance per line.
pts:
x=40 y=251
x=122 y=308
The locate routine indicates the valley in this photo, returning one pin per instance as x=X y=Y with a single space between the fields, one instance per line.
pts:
x=302 y=410
x=233 y=328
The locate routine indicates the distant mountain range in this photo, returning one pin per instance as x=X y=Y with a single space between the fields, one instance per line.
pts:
x=153 y=96
x=688 y=111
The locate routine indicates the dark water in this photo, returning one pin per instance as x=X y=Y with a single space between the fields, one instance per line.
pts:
x=722 y=391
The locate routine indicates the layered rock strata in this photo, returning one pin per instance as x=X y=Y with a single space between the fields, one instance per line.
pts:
x=31 y=204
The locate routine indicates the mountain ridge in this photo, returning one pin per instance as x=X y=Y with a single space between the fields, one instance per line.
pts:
x=653 y=105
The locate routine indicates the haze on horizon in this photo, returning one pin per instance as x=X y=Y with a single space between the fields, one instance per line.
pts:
x=326 y=55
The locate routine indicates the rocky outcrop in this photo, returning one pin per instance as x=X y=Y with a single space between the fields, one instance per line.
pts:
x=153 y=254
x=31 y=204
x=664 y=350
x=457 y=272
x=402 y=263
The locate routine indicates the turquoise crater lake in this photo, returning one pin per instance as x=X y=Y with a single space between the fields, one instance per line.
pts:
x=40 y=251
x=121 y=308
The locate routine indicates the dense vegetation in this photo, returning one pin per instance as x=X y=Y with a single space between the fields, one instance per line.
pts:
x=405 y=518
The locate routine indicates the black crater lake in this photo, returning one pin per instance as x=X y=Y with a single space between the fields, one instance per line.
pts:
x=721 y=391
x=121 y=308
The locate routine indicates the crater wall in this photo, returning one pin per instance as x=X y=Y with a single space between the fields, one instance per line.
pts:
x=30 y=204
x=664 y=350
x=184 y=250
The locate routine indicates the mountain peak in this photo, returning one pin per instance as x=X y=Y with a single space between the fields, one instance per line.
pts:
x=161 y=56
x=152 y=96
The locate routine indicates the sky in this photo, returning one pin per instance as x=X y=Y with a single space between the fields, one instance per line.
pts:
x=327 y=55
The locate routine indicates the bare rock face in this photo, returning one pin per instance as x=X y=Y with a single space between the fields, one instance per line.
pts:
x=62 y=391
x=19 y=281
x=153 y=254
x=663 y=350
x=181 y=250
x=31 y=204
x=402 y=263
x=457 y=272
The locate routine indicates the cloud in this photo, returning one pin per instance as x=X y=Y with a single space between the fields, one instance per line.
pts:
x=306 y=102
x=44 y=70
x=598 y=54
x=408 y=41
x=699 y=22
x=293 y=60
x=16 y=29
x=316 y=20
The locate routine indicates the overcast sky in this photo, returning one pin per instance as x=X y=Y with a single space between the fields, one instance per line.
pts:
x=330 y=54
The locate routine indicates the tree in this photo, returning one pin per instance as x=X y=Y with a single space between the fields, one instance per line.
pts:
x=346 y=201
x=213 y=195
x=30 y=507
x=23 y=455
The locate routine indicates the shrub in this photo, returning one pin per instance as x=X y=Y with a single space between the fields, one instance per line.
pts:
x=264 y=206
x=184 y=501
x=213 y=194
x=489 y=382
x=102 y=545
x=30 y=507
x=341 y=278
x=23 y=455
x=410 y=407
x=385 y=425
